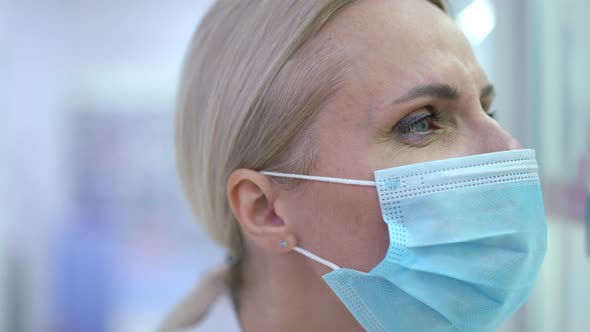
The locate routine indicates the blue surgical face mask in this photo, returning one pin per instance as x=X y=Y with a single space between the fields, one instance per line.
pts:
x=467 y=239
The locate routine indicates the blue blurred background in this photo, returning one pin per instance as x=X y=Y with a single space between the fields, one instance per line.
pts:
x=94 y=232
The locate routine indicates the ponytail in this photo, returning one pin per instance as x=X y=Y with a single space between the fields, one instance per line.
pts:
x=197 y=303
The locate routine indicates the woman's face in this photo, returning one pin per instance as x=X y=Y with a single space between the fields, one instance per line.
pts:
x=414 y=93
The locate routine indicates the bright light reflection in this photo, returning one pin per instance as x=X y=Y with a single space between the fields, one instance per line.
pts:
x=477 y=20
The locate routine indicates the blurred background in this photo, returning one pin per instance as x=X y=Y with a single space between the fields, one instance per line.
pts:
x=94 y=232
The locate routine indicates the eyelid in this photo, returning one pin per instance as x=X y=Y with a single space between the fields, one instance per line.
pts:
x=405 y=125
x=488 y=102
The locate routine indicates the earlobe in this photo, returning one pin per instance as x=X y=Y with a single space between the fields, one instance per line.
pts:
x=287 y=244
x=252 y=198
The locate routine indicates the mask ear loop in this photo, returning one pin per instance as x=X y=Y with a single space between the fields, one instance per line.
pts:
x=321 y=178
x=317 y=258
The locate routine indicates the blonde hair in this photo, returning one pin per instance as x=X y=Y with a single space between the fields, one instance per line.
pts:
x=253 y=79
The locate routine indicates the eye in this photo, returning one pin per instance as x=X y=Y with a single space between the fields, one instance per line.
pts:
x=492 y=113
x=489 y=106
x=423 y=125
x=421 y=122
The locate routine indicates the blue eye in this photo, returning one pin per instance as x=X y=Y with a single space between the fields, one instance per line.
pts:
x=420 y=123
x=423 y=125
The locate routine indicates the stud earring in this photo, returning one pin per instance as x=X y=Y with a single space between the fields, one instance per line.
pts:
x=283 y=243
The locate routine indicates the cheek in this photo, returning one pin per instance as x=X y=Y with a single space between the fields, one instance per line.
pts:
x=343 y=223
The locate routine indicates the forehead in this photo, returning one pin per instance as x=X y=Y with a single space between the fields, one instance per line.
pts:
x=397 y=44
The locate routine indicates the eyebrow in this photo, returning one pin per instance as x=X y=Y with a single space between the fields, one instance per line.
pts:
x=443 y=91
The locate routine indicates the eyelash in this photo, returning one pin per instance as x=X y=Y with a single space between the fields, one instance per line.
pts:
x=492 y=113
x=405 y=127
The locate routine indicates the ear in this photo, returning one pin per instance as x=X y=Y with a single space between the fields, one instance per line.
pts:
x=252 y=199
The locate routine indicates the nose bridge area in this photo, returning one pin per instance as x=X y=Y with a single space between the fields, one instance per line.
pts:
x=490 y=136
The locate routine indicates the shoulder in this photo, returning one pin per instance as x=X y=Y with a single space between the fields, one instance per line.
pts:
x=222 y=316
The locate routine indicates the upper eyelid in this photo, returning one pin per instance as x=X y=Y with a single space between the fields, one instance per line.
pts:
x=406 y=122
x=411 y=119
x=487 y=100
